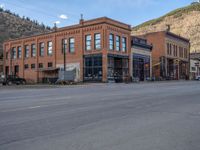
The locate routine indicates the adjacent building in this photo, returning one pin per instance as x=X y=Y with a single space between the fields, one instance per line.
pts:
x=96 y=49
x=141 y=59
x=194 y=66
x=170 y=55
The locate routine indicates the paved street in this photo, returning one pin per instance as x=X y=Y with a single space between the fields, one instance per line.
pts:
x=147 y=116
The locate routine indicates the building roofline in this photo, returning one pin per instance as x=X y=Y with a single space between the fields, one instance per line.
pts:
x=142 y=38
x=83 y=24
x=177 y=36
x=149 y=46
x=168 y=33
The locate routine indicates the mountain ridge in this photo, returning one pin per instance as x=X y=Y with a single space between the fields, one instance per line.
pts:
x=183 y=21
x=13 y=26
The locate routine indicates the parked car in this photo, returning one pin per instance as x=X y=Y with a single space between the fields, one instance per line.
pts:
x=2 y=79
x=198 y=78
x=13 y=79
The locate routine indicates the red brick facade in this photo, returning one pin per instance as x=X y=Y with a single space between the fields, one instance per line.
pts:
x=103 y=26
x=170 y=55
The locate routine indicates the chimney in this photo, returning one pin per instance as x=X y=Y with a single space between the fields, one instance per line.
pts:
x=168 y=28
x=81 y=20
x=55 y=27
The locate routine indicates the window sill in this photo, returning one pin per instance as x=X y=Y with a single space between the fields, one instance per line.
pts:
x=72 y=53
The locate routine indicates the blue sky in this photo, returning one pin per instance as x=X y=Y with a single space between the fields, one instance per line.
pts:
x=67 y=12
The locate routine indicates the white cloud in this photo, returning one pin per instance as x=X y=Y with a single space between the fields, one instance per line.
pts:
x=57 y=22
x=63 y=16
x=2 y=6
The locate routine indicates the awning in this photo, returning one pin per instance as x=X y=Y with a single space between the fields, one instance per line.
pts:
x=47 y=69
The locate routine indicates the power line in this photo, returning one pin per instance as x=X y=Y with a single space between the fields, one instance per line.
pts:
x=54 y=8
x=71 y=14
x=38 y=11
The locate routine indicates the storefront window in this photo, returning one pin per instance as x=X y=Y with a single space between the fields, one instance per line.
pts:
x=141 y=67
x=93 y=68
x=117 y=67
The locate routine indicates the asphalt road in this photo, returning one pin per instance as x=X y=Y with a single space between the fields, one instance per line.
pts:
x=148 y=116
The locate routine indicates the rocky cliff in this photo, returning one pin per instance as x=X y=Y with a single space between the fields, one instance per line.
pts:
x=183 y=21
x=14 y=26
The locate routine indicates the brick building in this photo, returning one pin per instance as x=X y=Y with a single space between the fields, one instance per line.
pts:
x=141 y=59
x=195 y=66
x=170 y=55
x=96 y=49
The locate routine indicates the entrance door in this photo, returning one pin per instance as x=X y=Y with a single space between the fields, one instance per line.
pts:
x=118 y=66
x=141 y=69
x=16 y=71
x=6 y=71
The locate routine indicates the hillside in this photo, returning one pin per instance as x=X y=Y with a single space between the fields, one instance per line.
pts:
x=183 y=21
x=13 y=26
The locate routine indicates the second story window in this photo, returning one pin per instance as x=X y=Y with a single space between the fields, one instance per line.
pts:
x=71 y=45
x=170 y=49
x=32 y=66
x=124 y=45
x=33 y=50
x=97 y=41
x=26 y=51
x=111 y=42
x=64 y=45
x=14 y=53
x=174 y=50
x=88 y=42
x=7 y=55
x=19 y=52
x=180 y=52
x=26 y=66
x=50 y=64
x=185 y=53
x=118 y=43
x=40 y=65
x=49 y=48
x=41 y=50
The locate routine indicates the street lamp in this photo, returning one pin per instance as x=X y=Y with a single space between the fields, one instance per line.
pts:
x=11 y=67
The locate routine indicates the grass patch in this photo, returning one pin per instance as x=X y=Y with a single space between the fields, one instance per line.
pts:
x=176 y=13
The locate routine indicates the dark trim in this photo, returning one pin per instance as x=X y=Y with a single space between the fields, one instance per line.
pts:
x=177 y=36
x=91 y=55
x=118 y=56
x=150 y=47
x=102 y=20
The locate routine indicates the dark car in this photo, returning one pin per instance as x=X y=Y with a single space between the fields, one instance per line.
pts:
x=13 y=79
x=2 y=79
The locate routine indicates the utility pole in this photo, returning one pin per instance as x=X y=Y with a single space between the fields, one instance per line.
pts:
x=64 y=42
x=11 y=67
x=64 y=53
